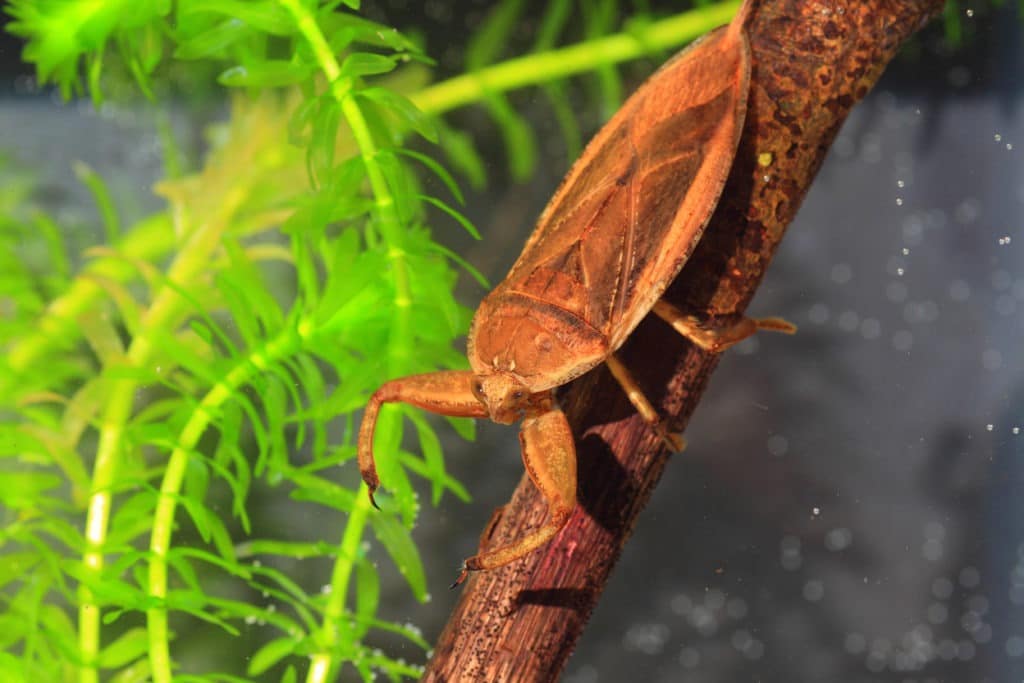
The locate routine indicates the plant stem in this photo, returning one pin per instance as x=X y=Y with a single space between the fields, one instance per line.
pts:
x=543 y=67
x=391 y=230
x=320 y=666
x=191 y=260
x=285 y=344
x=388 y=220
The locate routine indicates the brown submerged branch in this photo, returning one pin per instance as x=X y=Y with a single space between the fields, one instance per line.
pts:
x=812 y=61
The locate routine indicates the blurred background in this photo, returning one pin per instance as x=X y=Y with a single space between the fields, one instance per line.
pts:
x=851 y=504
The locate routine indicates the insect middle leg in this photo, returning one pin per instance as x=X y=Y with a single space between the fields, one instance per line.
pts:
x=445 y=393
x=640 y=401
x=717 y=338
x=549 y=455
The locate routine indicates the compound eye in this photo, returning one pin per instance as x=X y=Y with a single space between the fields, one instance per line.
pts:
x=517 y=395
x=478 y=389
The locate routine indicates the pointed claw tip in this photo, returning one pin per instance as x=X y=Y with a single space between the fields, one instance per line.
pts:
x=372 y=501
x=463 y=573
x=776 y=325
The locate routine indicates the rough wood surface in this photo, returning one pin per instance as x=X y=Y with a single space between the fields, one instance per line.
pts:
x=812 y=61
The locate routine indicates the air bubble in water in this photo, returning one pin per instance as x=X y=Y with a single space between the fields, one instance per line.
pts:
x=838 y=539
x=942 y=588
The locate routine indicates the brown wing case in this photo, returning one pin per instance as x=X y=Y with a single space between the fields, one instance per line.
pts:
x=634 y=205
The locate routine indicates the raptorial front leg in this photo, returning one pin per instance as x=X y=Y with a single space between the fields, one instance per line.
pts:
x=716 y=338
x=444 y=393
x=549 y=455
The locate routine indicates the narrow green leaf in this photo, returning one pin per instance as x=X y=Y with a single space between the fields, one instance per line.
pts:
x=437 y=169
x=264 y=15
x=402 y=107
x=320 y=157
x=16 y=565
x=12 y=666
x=556 y=16
x=133 y=517
x=490 y=39
x=430 y=446
x=270 y=654
x=18 y=440
x=269 y=73
x=244 y=610
x=102 y=337
x=131 y=645
x=101 y=195
x=137 y=68
x=343 y=29
x=193 y=603
x=462 y=220
x=94 y=70
x=197 y=478
x=463 y=426
x=285 y=549
x=301 y=121
x=210 y=528
x=138 y=672
x=342 y=502
x=566 y=118
x=183 y=568
x=360 y=64
x=202 y=367
x=239 y=303
x=407 y=631
x=162 y=411
x=247 y=276
x=122 y=298
x=367 y=595
x=213 y=41
x=24 y=490
x=56 y=250
x=275 y=407
x=396 y=539
x=599 y=20
x=211 y=677
x=62 y=632
x=417 y=466
x=232 y=567
x=520 y=144
x=298 y=597
x=313 y=383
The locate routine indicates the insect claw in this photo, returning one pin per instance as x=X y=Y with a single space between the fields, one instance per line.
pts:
x=775 y=325
x=463 y=573
x=372 y=501
x=675 y=442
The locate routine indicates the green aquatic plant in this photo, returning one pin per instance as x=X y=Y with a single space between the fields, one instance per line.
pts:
x=155 y=383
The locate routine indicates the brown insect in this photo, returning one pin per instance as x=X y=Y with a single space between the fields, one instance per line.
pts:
x=618 y=230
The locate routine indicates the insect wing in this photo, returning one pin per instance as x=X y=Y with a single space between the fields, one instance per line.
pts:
x=634 y=205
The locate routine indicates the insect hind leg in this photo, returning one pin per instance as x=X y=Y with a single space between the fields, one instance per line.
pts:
x=642 y=404
x=717 y=338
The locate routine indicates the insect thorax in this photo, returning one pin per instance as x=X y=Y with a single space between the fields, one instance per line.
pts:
x=540 y=344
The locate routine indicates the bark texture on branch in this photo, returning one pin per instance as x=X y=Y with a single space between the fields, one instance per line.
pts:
x=812 y=61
